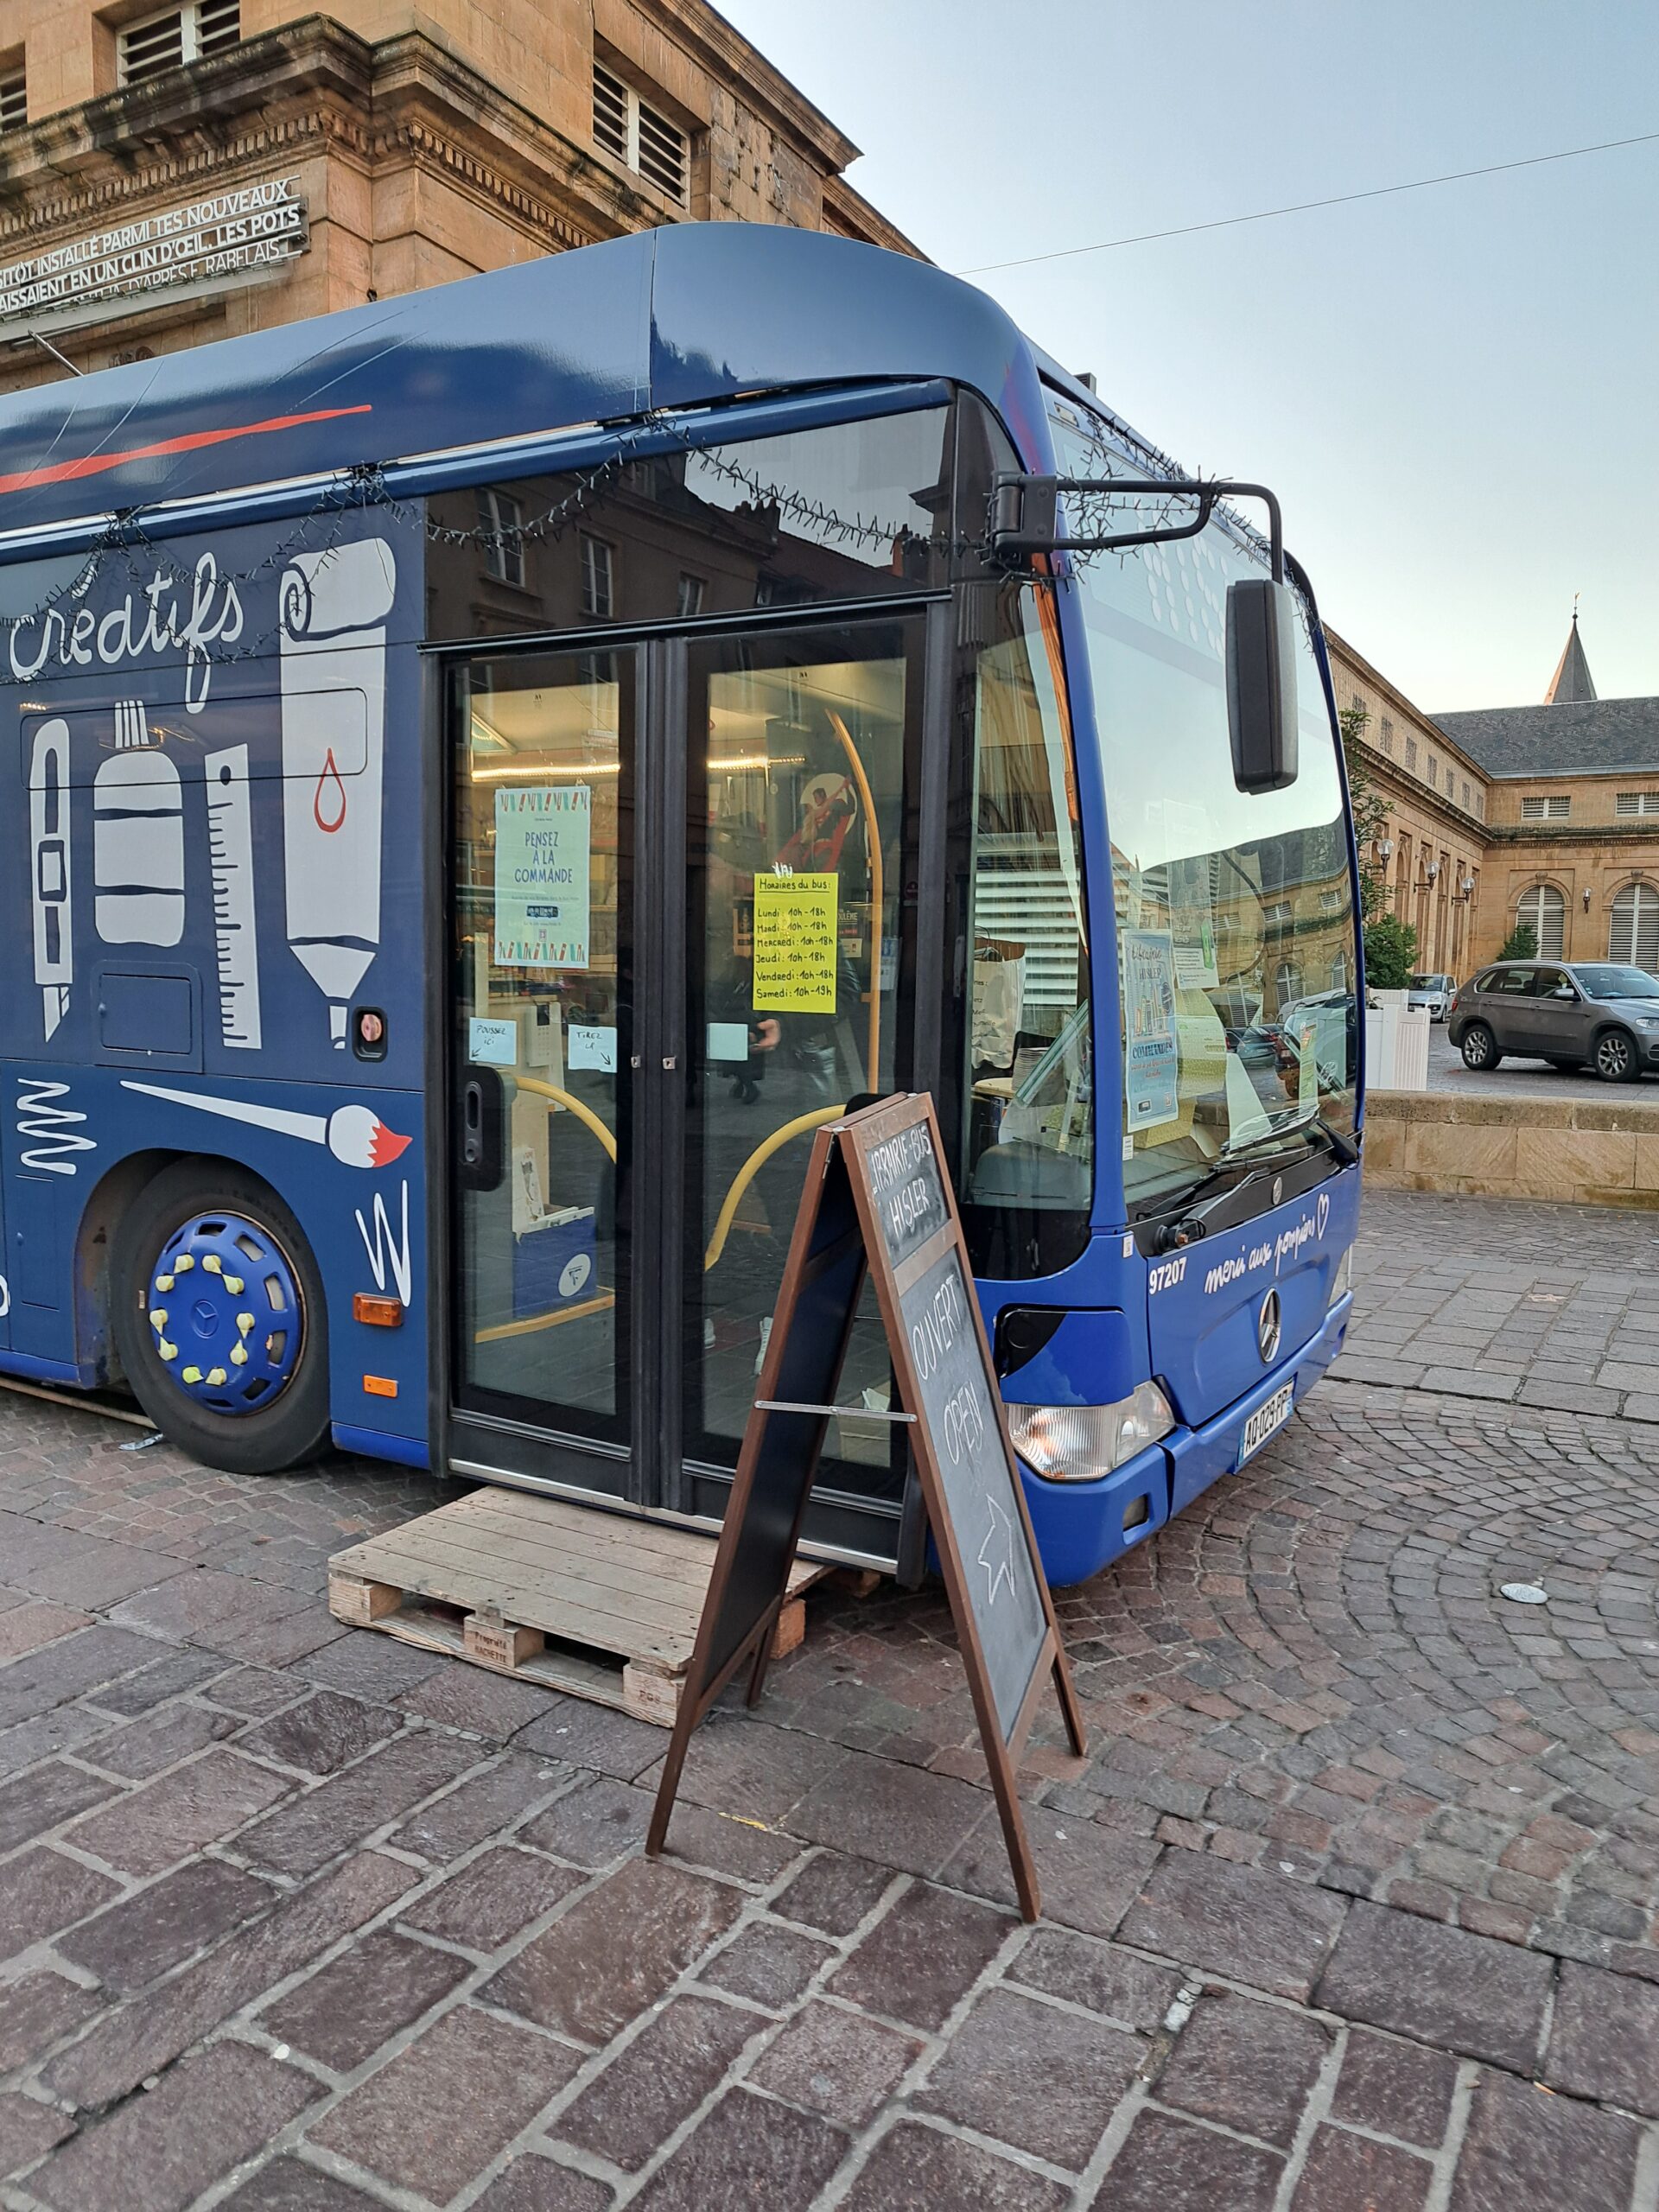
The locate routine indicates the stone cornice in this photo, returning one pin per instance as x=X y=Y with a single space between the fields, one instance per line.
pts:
x=309 y=89
x=729 y=59
x=1341 y=650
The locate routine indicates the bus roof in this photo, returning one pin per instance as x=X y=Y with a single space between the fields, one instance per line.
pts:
x=689 y=315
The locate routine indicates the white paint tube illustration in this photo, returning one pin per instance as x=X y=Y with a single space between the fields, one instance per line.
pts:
x=49 y=862
x=333 y=609
x=138 y=838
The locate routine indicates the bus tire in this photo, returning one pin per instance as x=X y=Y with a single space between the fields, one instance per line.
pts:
x=214 y=1252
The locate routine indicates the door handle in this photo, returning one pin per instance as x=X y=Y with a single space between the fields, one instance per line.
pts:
x=481 y=1118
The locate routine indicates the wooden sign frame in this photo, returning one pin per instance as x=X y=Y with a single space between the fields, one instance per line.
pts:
x=840 y=1232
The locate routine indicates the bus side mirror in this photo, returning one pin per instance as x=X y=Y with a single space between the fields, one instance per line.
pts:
x=1262 y=683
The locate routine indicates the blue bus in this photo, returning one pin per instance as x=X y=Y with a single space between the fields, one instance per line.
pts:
x=496 y=769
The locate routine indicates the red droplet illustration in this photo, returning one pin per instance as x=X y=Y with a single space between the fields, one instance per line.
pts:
x=330 y=775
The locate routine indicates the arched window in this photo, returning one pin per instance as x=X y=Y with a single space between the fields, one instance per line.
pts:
x=1633 y=931
x=1544 y=910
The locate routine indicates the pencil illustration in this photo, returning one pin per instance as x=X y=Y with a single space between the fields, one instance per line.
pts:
x=50 y=870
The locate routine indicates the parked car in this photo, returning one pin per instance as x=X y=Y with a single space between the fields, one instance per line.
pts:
x=1436 y=992
x=1576 y=1014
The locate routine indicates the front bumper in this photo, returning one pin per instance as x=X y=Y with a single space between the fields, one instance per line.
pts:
x=1080 y=1526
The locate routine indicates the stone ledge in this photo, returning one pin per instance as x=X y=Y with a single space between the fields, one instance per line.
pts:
x=1566 y=1151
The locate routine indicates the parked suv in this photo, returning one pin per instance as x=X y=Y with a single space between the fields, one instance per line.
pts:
x=1436 y=992
x=1578 y=1014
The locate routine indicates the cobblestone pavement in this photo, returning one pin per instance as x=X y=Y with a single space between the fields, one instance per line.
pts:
x=1551 y=1306
x=1522 y=1078
x=1351 y=1906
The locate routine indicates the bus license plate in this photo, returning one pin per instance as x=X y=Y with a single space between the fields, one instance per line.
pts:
x=1264 y=1422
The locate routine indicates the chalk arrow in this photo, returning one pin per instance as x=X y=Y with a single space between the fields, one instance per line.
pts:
x=996 y=1552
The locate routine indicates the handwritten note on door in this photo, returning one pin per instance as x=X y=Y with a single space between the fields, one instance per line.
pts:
x=795 y=944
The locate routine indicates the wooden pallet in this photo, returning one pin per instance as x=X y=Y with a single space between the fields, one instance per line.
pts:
x=583 y=1600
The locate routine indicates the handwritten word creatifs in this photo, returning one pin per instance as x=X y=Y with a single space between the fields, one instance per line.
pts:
x=144 y=622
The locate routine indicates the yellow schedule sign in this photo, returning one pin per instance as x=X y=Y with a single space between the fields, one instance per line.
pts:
x=795 y=944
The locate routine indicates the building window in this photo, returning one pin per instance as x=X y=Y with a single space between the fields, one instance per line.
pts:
x=1387 y=735
x=1452 y=783
x=501 y=519
x=1466 y=795
x=689 y=602
x=1411 y=754
x=156 y=43
x=643 y=141
x=1544 y=911
x=1637 y=802
x=1553 y=808
x=1433 y=769
x=1633 y=929
x=598 y=594
x=1277 y=910
x=13 y=100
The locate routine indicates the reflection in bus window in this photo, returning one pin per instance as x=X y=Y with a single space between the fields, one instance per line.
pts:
x=1028 y=1132
x=1234 y=909
x=844 y=511
x=795 y=890
x=544 y=796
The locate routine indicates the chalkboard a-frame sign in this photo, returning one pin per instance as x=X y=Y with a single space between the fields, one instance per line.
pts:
x=876 y=1197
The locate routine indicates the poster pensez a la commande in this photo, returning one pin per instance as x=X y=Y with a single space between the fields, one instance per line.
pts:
x=1150 y=1060
x=543 y=842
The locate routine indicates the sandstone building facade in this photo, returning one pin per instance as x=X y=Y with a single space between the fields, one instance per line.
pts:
x=178 y=174
x=1547 y=814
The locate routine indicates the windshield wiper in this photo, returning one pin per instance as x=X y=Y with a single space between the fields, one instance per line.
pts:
x=1194 y=1219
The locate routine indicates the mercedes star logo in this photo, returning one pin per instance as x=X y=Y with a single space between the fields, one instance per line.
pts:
x=1268 y=1326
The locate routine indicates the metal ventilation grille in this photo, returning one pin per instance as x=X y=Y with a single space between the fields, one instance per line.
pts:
x=662 y=153
x=647 y=143
x=218 y=25
x=14 y=102
x=162 y=42
x=611 y=112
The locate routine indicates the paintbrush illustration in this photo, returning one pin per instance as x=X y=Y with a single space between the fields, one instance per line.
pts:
x=355 y=1134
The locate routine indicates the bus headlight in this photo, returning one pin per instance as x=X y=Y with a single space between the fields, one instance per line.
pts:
x=1343 y=1281
x=1077 y=1444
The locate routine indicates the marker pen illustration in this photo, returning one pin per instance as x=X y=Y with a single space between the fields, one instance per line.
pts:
x=52 y=882
x=355 y=1134
x=333 y=607
x=138 y=838
x=236 y=937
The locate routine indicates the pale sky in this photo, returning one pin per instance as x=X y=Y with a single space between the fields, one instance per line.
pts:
x=1455 y=392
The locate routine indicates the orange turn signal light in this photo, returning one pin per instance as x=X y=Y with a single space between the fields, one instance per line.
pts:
x=380 y=1385
x=379 y=1313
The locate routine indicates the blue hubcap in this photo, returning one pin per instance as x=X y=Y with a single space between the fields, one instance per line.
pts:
x=224 y=1314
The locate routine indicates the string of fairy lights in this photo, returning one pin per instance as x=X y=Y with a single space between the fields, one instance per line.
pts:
x=127 y=547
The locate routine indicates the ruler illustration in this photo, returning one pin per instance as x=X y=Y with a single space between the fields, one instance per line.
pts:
x=229 y=848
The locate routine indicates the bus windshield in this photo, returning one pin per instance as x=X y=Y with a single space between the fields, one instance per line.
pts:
x=1235 y=910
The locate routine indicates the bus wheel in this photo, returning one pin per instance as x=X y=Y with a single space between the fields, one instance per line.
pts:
x=219 y=1320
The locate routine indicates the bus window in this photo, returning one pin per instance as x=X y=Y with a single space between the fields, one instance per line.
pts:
x=1234 y=909
x=1027 y=1131
x=850 y=511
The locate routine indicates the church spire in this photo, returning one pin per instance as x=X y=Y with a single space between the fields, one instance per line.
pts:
x=1571 y=685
